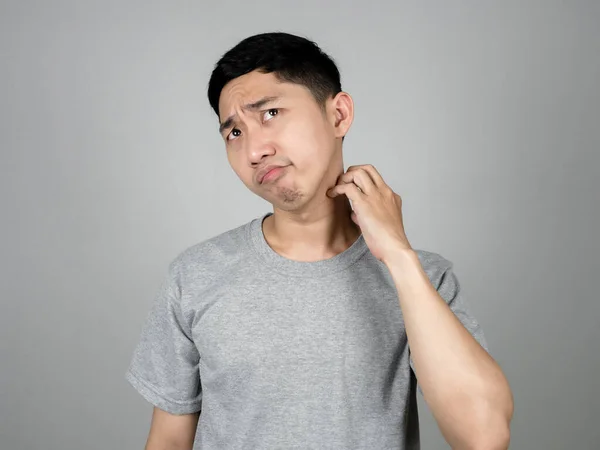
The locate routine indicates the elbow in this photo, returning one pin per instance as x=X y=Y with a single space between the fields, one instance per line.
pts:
x=482 y=431
x=479 y=419
x=497 y=438
x=495 y=421
x=494 y=431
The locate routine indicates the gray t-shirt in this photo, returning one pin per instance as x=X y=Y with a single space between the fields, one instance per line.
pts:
x=283 y=354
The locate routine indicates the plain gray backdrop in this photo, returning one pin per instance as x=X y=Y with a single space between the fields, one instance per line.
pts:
x=484 y=116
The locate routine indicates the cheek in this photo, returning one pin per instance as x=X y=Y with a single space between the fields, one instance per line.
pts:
x=307 y=135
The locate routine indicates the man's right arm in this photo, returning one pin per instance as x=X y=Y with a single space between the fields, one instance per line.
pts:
x=172 y=432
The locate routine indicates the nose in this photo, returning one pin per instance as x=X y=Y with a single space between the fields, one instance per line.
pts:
x=258 y=145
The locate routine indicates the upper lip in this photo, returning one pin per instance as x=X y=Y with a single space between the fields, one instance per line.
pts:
x=265 y=170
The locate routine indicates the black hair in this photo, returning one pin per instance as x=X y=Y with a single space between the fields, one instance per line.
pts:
x=290 y=58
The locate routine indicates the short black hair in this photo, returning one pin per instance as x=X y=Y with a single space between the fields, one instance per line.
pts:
x=290 y=58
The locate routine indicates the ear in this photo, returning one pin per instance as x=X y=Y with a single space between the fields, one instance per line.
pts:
x=342 y=113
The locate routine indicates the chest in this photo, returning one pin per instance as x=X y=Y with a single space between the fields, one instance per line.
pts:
x=274 y=326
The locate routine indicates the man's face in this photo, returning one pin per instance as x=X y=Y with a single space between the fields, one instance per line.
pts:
x=285 y=127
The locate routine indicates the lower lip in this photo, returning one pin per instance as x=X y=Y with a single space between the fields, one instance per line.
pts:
x=272 y=174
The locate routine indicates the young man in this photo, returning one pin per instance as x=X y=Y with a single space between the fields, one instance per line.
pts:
x=308 y=327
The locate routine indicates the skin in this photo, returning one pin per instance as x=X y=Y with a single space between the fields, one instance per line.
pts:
x=306 y=224
x=171 y=431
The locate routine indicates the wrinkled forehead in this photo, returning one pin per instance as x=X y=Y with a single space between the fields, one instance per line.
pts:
x=247 y=89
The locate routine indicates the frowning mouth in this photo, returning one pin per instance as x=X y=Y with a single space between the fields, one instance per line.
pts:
x=273 y=175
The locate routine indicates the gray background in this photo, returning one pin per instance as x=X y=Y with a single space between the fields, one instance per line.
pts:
x=483 y=116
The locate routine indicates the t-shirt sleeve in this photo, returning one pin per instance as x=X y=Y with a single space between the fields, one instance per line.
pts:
x=164 y=368
x=442 y=276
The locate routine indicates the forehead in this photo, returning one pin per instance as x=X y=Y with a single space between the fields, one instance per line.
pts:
x=254 y=86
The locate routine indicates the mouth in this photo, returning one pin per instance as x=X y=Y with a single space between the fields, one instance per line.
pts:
x=273 y=174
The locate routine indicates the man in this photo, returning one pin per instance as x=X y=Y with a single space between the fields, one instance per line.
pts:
x=308 y=327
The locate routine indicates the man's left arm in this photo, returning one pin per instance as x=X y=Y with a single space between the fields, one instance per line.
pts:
x=465 y=388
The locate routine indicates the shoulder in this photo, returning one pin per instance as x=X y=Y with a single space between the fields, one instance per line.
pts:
x=433 y=260
x=208 y=258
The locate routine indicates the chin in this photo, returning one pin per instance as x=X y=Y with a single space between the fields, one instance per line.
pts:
x=286 y=198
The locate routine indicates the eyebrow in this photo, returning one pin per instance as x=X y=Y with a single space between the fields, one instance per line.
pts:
x=248 y=107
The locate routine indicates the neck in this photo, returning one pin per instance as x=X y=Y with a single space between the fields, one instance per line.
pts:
x=312 y=236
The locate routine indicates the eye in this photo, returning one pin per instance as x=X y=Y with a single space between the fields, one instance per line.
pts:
x=269 y=114
x=235 y=133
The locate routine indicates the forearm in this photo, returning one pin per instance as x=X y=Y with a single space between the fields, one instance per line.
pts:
x=465 y=388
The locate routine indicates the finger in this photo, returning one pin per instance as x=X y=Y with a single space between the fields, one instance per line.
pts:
x=373 y=173
x=359 y=178
x=350 y=190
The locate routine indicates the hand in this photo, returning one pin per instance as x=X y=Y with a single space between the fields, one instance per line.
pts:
x=377 y=210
